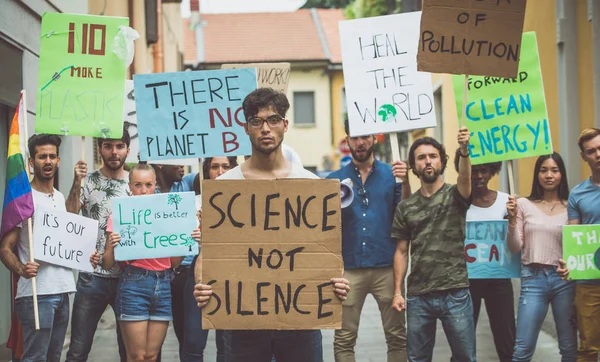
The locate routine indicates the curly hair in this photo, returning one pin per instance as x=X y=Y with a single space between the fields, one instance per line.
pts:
x=265 y=98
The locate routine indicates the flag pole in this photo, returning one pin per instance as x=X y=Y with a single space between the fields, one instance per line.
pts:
x=29 y=226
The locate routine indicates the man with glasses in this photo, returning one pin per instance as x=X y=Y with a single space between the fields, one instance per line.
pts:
x=266 y=125
x=368 y=248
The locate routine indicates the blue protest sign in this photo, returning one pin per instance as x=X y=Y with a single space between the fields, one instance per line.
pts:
x=486 y=252
x=155 y=226
x=192 y=114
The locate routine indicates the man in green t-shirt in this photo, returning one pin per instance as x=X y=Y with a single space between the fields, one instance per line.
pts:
x=432 y=220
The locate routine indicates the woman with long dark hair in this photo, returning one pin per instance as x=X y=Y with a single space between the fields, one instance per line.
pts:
x=535 y=229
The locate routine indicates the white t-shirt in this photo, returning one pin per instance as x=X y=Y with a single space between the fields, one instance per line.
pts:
x=297 y=172
x=290 y=154
x=495 y=212
x=51 y=279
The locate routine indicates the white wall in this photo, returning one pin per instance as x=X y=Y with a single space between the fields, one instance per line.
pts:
x=311 y=143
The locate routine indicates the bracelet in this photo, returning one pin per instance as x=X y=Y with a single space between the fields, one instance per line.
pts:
x=467 y=155
x=397 y=295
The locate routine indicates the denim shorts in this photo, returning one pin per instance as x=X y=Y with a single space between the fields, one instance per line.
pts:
x=144 y=295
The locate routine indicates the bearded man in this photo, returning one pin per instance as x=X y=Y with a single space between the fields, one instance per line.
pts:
x=368 y=247
x=433 y=221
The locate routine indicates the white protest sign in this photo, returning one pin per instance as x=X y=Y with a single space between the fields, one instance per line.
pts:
x=384 y=91
x=63 y=238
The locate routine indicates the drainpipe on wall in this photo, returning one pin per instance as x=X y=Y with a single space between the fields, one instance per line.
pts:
x=198 y=26
x=594 y=17
x=568 y=87
x=157 y=47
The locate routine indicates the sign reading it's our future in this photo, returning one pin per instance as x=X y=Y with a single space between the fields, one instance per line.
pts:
x=62 y=238
x=81 y=80
x=581 y=251
x=507 y=117
x=269 y=251
x=385 y=93
x=478 y=37
x=192 y=114
x=155 y=226
x=486 y=252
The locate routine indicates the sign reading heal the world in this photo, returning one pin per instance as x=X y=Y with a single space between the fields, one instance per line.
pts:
x=192 y=114
x=155 y=226
x=486 y=252
x=63 y=238
x=384 y=91
x=268 y=75
x=81 y=80
x=478 y=37
x=581 y=251
x=269 y=251
x=507 y=117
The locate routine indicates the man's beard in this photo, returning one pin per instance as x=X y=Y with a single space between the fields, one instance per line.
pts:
x=367 y=155
x=266 y=151
x=111 y=167
x=430 y=178
x=39 y=174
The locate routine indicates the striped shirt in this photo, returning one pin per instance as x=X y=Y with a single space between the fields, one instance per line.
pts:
x=537 y=234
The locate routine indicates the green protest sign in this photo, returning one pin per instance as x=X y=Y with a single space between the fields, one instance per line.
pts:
x=581 y=251
x=507 y=117
x=81 y=81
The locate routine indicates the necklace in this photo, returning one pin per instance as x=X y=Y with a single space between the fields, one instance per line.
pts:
x=551 y=207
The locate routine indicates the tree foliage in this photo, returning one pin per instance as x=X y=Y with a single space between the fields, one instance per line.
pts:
x=326 y=4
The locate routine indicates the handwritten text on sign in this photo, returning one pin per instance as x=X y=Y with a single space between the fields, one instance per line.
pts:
x=192 y=114
x=268 y=75
x=63 y=238
x=507 y=117
x=384 y=91
x=269 y=250
x=581 y=251
x=155 y=226
x=81 y=80
x=478 y=37
x=486 y=252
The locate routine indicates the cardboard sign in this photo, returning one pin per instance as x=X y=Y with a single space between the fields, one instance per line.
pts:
x=155 y=226
x=478 y=37
x=581 y=251
x=81 y=80
x=384 y=91
x=269 y=250
x=507 y=117
x=268 y=75
x=193 y=114
x=65 y=239
x=486 y=252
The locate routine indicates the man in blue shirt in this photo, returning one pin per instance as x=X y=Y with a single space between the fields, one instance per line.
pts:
x=584 y=208
x=367 y=246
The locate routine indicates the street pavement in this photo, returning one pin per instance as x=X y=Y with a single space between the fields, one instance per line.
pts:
x=370 y=346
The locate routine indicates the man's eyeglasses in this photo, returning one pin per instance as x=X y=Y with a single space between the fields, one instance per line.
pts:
x=273 y=121
x=365 y=197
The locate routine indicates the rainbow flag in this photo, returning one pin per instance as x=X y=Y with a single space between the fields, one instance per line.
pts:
x=18 y=200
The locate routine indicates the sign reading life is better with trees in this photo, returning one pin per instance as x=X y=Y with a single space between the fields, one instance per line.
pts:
x=507 y=117
x=384 y=91
x=581 y=251
x=63 y=238
x=192 y=114
x=478 y=37
x=268 y=75
x=81 y=80
x=486 y=252
x=269 y=250
x=155 y=226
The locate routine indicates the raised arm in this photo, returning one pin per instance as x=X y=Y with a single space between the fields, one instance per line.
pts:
x=463 y=183
x=73 y=202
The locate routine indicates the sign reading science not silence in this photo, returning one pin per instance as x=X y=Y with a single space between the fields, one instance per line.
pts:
x=269 y=250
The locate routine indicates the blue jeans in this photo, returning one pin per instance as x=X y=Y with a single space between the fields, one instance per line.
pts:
x=262 y=345
x=194 y=337
x=144 y=295
x=93 y=295
x=455 y=309
x=541 y=287
x=46 y=344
